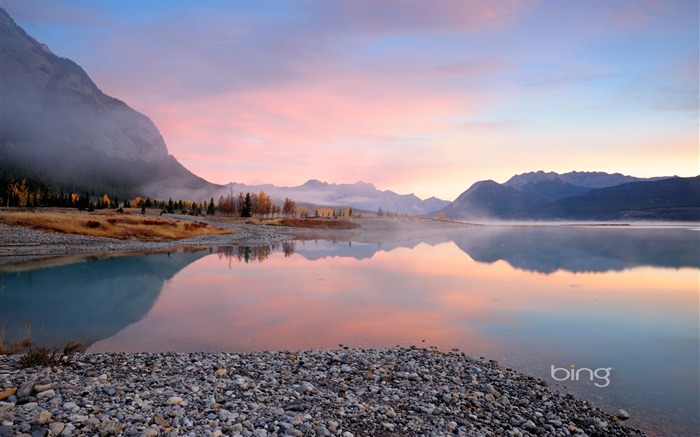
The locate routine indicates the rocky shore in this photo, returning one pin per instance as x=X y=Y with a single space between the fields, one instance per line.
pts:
x=388 y=392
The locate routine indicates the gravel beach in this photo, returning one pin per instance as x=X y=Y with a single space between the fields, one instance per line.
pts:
x=388 y=392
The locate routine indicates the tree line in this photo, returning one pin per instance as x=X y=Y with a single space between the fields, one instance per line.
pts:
x=25 y=193
x=254 y=205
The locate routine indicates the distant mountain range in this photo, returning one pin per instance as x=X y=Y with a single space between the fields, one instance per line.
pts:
x=59 y=128
x=579 y=196
x=360 y=196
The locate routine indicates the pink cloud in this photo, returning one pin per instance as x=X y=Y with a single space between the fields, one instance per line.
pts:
x=423 y=97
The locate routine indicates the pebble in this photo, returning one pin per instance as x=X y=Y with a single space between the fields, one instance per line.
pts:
x=384 y=392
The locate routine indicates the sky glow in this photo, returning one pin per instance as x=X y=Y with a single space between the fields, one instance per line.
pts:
x=422 y=97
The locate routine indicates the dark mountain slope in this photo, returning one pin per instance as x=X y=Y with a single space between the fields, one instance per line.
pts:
x=666 y=199
x=491 y=200
x=553 y=189
x=671 y=199
x=57 y=124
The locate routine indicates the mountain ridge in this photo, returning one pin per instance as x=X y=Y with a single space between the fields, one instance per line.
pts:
x=546 y=196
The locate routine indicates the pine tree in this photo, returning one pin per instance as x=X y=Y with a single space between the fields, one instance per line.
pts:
x=247 y=209
x=210 y=207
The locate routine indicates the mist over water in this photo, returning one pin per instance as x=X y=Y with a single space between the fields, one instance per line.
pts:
x=530 y=297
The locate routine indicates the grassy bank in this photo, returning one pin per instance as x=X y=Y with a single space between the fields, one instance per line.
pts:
x=110 y=224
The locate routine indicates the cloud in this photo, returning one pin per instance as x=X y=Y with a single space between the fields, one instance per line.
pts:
x=56 y=13
x=472 y=67
x=415 y=17
x=412 y=96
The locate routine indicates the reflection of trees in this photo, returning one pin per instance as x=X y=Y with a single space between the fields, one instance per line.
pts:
x=248 y=254
x=288 y=247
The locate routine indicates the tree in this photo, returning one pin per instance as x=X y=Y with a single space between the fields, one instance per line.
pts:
x=210 y=207
x=247 y=209
x=264 y=206
x=106 y=202
x=289 y=207
x=442 y=215
x=240 y=200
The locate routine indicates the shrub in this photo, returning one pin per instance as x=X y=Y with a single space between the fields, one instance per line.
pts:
x=43 y=356
x=92 y=224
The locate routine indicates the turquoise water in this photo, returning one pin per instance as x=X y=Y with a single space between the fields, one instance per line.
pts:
x=534 y=298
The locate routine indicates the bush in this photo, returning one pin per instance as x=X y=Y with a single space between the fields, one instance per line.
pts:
x=43 y=356
x=92 y=224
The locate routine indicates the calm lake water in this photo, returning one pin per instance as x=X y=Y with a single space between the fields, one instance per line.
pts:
x=530 y=297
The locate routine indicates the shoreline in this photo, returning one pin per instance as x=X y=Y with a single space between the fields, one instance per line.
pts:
x=21 y=245
x=342 y=392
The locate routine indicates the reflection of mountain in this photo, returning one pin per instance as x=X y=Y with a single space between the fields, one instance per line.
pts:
x=543 y=249
x=320 y=249
x=582 y=249
x=86 y=301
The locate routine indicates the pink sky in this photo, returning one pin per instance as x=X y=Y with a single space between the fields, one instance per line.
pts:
x=422 y=97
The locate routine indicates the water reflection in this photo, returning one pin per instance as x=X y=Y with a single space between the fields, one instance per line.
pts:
x=248 y=254
x=547 y=249
x=86 y=301
x=582 y=249
x=620 y=298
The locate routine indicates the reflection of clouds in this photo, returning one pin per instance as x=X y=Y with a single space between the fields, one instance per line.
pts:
x=637 y=320
x=257 y=298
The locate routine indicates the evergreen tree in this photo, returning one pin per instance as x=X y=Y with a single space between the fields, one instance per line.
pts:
x=247 y=209
x=210 y=207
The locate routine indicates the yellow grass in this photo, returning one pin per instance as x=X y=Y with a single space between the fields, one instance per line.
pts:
x=110 y=224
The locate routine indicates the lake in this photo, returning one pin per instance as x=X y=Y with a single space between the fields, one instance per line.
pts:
x=618 y=303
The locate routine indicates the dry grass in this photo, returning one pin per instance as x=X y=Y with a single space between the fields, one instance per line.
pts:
x=110 y=224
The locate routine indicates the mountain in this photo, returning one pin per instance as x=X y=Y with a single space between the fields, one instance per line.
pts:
x=553 y=189
x=360 y=196
x=60 y=128
x=666 y=199
x=548 y=196
x=489 y=199
x=587 y=179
